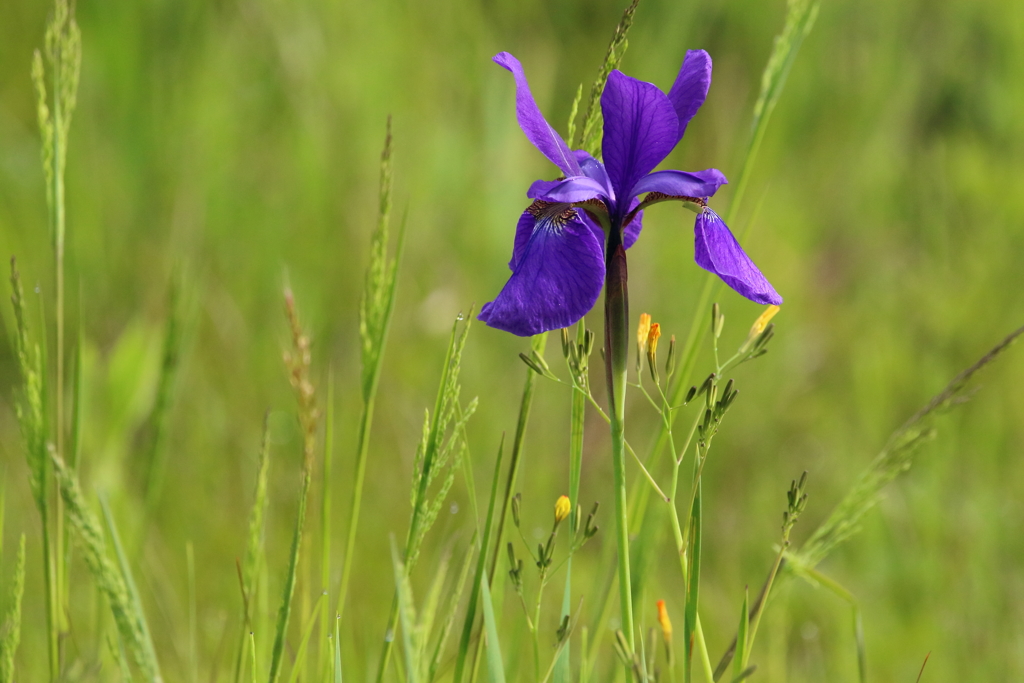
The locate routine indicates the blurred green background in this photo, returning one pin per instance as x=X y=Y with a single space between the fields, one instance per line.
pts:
x=236 y=142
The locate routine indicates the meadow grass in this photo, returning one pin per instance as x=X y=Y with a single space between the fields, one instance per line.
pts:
x=258 y=588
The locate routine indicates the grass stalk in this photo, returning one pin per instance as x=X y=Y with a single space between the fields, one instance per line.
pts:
x=298 y=361
x=10 y=630
x=375 y=313
x=326 y=494
x=439 y=453
x=115 y=585
x=253 y=561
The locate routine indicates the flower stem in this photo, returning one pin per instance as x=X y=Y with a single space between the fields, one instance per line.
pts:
x=616 y=340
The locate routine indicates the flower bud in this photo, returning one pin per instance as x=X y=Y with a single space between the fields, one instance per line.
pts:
x=717 y=321
x=759 y=326
x=664 y=621
x=563 y=507
x=652 y=350
x=516 y=500
x=642 y=331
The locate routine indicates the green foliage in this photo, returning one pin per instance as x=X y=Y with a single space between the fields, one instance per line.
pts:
x=895 y=458
x=238 y=141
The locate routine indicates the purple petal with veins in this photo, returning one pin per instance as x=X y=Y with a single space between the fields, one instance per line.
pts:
x=640 y=127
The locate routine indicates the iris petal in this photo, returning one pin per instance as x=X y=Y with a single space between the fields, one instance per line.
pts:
x=631 y=231
x=534 y=125
x=716 y=250
x=681 y=183
x=592 y=168
x=640 y=129
x=578 y=189
x=557 y=276
x=691 y=87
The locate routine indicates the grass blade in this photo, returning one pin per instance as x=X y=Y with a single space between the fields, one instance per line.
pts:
x=406 y=614
x=739 y=662
x=337 y=650
x=470 y=621
x=307 y=631
x=453 y=605
x=495 y=666
x=126 y=574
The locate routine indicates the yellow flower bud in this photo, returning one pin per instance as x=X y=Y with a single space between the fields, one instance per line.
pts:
x=562 y=509
x=762 y=321
x=642 y=330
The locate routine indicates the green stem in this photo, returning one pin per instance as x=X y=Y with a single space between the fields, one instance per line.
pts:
x=616 y=335
x=357 y=500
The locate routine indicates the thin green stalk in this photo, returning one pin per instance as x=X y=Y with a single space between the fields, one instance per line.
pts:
x=616 y=349
x=376 y=308
x=325 y=529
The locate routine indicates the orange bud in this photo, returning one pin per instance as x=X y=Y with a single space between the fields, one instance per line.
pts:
x=664 y=621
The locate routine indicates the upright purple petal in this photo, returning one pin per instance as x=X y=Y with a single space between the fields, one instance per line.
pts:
x=556 y=279
x=534 y=125
x=691 y=87
x=640 y=129
x=681 y=183
x=716 y=250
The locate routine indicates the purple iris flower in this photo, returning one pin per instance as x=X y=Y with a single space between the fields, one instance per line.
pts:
x=558 y=259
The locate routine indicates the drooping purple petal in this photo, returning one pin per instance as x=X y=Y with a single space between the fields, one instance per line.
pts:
x=578 y=189
x=534 y=125
x=691 y=87
x=556 y=278
x=640 y=127
x=716 y=250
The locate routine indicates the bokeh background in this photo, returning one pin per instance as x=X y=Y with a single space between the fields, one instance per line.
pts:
x=234 y=144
